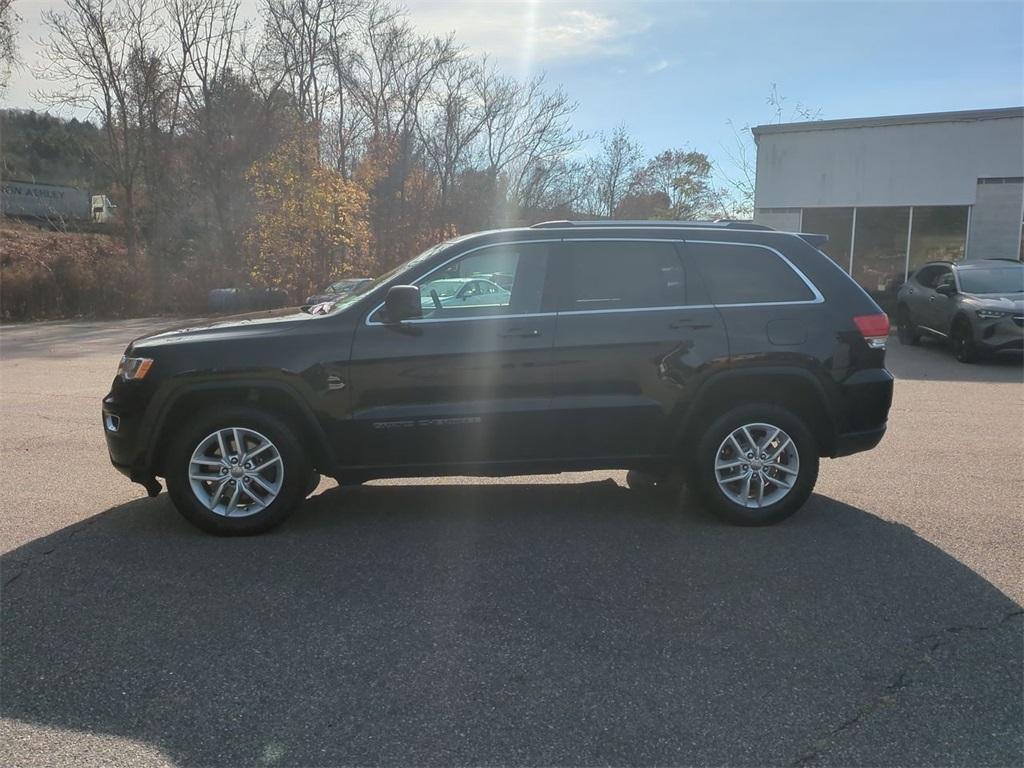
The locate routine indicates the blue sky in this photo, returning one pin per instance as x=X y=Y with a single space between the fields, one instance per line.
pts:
x=677 y=72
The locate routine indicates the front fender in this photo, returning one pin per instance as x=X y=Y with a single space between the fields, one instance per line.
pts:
x=167 y=401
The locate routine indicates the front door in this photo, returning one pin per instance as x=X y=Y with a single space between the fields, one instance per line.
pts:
x=941 y=307
x=469 y=382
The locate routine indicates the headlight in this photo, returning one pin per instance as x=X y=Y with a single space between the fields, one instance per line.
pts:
x=132 y=368
x=991 y=314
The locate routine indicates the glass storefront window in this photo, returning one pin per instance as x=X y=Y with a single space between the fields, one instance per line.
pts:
x=837 y=223
x=880 y=251
x=938 y=233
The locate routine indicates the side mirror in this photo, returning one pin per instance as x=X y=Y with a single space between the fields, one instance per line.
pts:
x=402 y=303
x=946 y=289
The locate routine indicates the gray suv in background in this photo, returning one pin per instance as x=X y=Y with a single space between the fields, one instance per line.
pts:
x=978 y=306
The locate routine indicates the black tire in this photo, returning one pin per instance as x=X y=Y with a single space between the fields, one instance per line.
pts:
x=703 y=476
x=295 y=463
x=962 y=339
x=906 y=331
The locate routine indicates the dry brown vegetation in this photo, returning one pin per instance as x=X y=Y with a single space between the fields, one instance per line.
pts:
x=46 y=274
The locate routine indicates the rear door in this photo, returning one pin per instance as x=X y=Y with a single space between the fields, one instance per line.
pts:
x=632 y=330
x=919 y=287
x=469 y=382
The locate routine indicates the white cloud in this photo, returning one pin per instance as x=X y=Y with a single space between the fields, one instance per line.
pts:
x=543 y=31
x=658 y=66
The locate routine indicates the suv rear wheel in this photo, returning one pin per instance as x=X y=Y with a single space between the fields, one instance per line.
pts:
x=756 y=464
x=237 y=471
x=905 y=328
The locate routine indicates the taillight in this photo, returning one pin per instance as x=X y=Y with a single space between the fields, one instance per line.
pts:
x=874 y=329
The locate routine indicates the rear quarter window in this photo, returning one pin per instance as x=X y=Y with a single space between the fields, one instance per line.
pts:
x=746 y=274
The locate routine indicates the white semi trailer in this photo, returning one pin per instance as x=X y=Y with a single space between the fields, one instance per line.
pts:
x=52 y=202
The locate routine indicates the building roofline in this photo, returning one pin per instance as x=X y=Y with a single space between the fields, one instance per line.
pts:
x=872 y=122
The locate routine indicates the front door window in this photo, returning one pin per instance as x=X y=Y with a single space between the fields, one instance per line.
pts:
x=506 y=279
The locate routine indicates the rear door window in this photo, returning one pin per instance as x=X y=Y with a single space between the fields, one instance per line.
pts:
x=746 y=274
x=620 y=274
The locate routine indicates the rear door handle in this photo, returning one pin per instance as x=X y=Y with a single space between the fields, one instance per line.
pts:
x=686 y=322
x=521 y=333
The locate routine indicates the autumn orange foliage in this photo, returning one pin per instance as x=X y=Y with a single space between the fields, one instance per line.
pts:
x=311 y=224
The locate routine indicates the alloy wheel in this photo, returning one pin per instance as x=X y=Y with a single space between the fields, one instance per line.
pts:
x=236 y=472
x=757 y=465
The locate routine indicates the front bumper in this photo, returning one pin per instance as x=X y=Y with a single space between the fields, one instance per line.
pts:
x=122 y=430
x=1003 y=335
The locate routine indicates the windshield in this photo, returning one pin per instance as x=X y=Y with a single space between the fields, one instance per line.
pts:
x=1008 y=279
x=349 y=299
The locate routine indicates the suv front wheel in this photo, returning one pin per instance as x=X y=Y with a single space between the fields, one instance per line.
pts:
x=962 y=339
x=756 y=464
x=237 y=471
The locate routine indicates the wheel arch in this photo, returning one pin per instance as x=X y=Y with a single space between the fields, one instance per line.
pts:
x=277 y=397
x=793 y=388
x=961 y=316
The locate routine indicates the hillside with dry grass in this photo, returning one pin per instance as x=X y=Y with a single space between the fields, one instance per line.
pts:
x=46 y=274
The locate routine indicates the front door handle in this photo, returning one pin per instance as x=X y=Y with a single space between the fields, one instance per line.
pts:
x=687 y=322
x=931 y=298
x=521 y=333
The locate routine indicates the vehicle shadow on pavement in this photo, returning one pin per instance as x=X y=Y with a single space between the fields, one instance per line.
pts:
x=571 y=624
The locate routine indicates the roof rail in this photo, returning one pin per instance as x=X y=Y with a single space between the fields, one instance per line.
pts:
x=652 y=224
x=814 y=239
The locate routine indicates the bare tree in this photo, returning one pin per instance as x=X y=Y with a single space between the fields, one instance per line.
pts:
x=296 y=36
x=9 y=20
x=447 y=130
x=348 y=123
x=393 y=68
x=99 y=54
x=527 y=134
x=390 y=74
x=208 y=35
x=613 y=171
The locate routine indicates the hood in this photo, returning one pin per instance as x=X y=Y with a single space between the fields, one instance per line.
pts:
x=247 y=325
x=318 y=298
x=1008 y=302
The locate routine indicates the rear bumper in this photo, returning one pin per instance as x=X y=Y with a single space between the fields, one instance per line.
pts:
x=866 y=399
x=855 y=442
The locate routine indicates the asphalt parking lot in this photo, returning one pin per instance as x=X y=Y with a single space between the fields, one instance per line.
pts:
x=559 y=620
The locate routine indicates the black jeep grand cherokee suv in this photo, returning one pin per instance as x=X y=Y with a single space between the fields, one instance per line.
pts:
x=731 y=355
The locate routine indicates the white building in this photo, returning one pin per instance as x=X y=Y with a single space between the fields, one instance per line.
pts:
x=895 y=192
